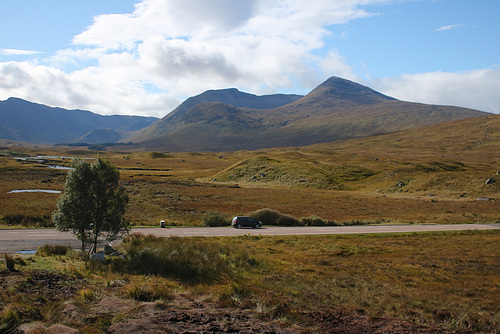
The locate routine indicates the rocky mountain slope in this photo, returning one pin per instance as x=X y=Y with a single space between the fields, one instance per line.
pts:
x=336 y=109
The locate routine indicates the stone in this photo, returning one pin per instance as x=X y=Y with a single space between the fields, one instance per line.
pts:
x=108 y=250
x=489 y=181
x=99 y=256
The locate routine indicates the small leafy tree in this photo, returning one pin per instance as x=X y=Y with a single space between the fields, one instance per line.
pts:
x=93 y=204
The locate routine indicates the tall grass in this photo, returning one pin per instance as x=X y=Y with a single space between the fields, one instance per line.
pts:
x=188 y=259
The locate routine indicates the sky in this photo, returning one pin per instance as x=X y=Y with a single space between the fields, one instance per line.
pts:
x=134 y=57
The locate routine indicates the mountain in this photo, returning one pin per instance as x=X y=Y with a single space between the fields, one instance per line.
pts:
x=231 y=96
x=25 y=121
x=336 y=109
x=99 y=136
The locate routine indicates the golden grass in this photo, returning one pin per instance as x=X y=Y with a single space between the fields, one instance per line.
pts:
x=430 y=175
x=445 y=279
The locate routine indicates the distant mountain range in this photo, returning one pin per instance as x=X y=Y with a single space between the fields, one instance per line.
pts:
x=29 y=122
x=337 y=109
x=230 y=120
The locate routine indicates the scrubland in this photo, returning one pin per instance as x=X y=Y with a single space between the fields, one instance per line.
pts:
x=442 y=174
x=432 y=175
x=422 y=282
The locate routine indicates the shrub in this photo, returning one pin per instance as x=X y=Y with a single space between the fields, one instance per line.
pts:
x=273 y=217
x=214 y=218
x=314 y=220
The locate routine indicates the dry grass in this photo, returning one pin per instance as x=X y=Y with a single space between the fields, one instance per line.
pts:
x=426 y=175
x=449 y=280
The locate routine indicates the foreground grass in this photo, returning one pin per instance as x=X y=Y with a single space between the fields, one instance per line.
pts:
x=450 y=280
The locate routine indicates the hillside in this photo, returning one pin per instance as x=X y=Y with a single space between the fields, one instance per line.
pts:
x=203 y=101
x=451 y=159
x=25 y=121
x=337 y=109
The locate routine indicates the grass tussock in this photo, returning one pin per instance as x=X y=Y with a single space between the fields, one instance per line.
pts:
x=51 y=250
x=187 y=259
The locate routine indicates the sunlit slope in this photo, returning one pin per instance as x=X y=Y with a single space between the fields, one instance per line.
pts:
x=337 y=109
x=453 y=159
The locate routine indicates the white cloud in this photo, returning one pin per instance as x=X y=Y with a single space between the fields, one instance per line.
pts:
x=15 y=52
x=148 y=61
x=449 y=27
x=476 y=89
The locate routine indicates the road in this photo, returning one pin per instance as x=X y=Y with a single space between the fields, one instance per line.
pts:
x=12 y=241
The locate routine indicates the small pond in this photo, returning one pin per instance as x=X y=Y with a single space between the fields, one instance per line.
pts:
x=34 y=191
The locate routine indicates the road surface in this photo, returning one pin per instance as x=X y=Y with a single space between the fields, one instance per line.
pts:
x=12 y=241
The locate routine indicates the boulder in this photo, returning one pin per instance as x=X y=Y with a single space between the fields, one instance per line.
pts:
x=99 y=256
x=108 y=250
x=489 y=181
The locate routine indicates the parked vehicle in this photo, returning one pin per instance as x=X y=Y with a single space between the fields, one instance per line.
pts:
x=242 y=221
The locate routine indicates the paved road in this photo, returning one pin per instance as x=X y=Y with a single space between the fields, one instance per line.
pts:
x=12 y=241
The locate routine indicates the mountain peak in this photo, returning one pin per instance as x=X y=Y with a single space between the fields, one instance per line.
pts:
x=346 y=90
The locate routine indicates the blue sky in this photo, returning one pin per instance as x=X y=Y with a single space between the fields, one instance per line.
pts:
x=146 y=57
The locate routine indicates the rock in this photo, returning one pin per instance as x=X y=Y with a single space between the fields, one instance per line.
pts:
x=99 y=256
x=484 y=199
x=108 y=250
x=489 y=181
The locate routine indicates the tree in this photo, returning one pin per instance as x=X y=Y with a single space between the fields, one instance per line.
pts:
x=93 y=204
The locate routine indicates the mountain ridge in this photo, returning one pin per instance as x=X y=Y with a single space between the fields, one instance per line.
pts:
x=25 y=121
x=336 y=109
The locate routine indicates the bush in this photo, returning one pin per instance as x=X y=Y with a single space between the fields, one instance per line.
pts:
x=314 y=220
x=214 y=218
x=273 y=217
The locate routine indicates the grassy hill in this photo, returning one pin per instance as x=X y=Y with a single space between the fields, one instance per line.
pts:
x=452 y=159
x=337 y=109
x=432 y=174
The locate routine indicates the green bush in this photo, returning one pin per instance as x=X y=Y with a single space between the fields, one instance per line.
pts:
x=214 y=218
x=188 y=259
x=273 y=217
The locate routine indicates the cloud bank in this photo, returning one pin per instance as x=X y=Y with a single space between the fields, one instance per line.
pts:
x=148 y=61
x=476 y=89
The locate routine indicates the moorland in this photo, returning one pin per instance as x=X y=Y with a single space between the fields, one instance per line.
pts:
x=444 y=282
x=445 y=173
